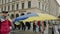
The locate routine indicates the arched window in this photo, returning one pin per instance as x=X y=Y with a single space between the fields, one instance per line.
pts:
x=29 y=4
x=22 y=14
x=58 y=16
x=12 y=16
x=17 y=15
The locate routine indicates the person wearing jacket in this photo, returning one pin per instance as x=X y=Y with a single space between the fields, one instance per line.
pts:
x=34 y=27
x=39 y=25
x=56 y=29
x=4 y=23
x=59 y=27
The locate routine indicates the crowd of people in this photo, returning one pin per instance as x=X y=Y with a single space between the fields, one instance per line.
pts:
x=54 y=27
x=33 y=26
x=6 y=25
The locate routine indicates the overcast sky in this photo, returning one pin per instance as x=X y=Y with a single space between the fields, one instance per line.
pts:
x=58 y=1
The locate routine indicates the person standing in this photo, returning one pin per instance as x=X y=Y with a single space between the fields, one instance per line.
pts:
x=31 y=28
x=28 y=25
x=39 y=25
x=59 y=28
x=23 y=26
x=4 y=23
x=34 y=27
x=17 y=25
x=52 y=30
x=56 y=29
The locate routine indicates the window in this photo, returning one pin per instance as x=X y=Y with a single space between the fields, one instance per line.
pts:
x=39 y=4
x=12 y=7
x=22 y=14
x=29 y=4
x=8 y=0
x=5 y=1
x=5 y=8
x=45 y=8
x=2 y=1
x=22 y=5
x=17 y=6
x=8 y=8
x=59 y=16
x=2 y=9
x=17 y=15
x=42 y=7
x=12 y=16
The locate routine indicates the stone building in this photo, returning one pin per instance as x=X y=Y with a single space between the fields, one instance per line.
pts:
x=21 y=7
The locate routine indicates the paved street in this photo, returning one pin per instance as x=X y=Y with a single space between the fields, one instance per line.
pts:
x=23 y=32
x=28 y=32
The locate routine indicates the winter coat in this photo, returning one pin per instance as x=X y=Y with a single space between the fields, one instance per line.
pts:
x=38 y=23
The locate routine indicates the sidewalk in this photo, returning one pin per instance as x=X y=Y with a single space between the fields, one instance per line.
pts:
x=23 y=32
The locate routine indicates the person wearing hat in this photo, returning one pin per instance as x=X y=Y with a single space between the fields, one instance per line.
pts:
x=4 y=23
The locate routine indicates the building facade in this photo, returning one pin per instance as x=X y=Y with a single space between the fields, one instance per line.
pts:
x=21 y=7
